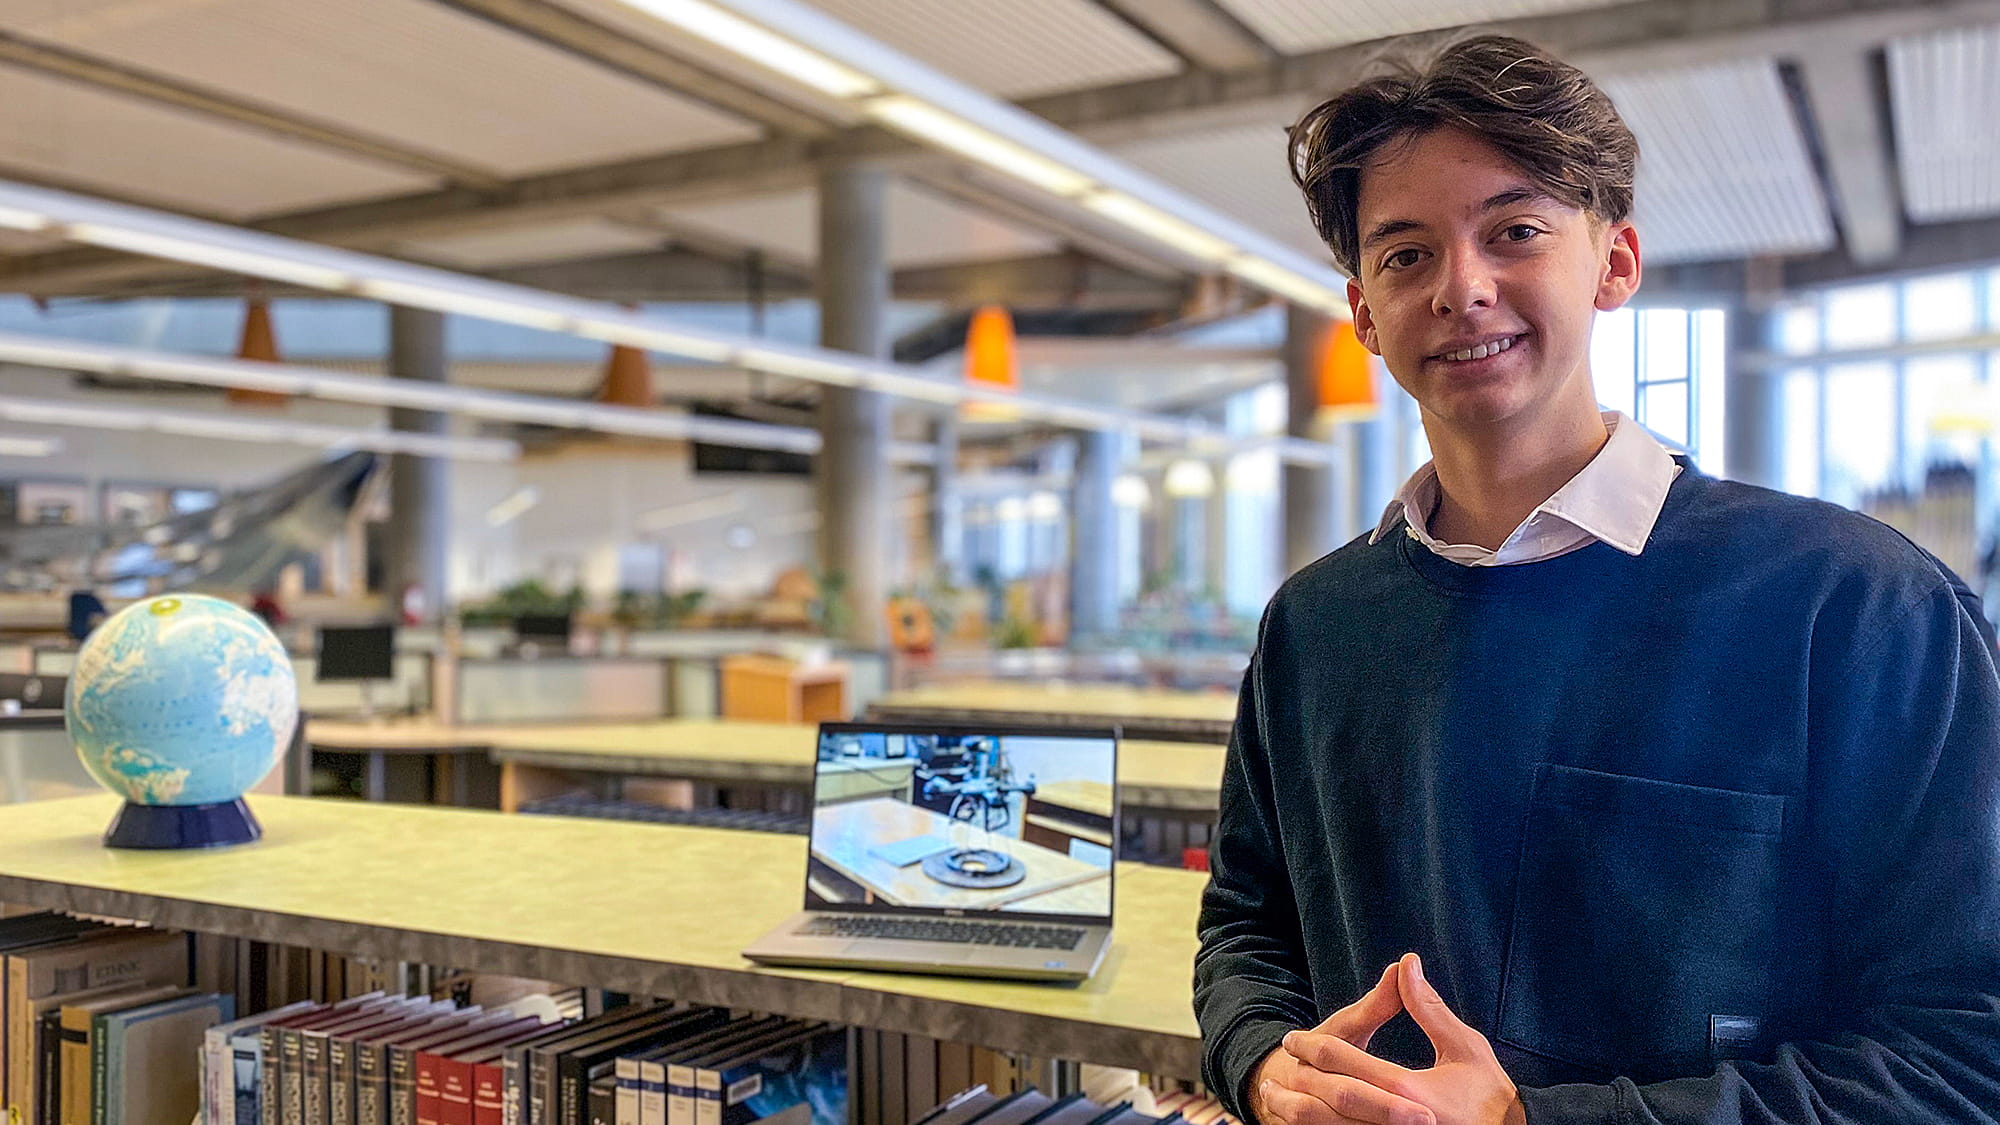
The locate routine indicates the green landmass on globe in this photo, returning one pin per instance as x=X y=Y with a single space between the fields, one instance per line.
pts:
x=181 y=700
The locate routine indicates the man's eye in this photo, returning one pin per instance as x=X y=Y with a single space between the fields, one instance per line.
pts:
x=1396 y=261
x=1532 y=232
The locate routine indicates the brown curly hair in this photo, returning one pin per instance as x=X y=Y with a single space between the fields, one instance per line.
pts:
x=1542 y=113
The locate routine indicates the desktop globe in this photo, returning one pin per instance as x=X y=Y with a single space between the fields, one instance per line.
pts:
x=179 y=705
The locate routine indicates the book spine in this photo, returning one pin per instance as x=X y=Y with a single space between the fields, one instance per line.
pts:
x=488 y=1094
x=511 y=1083
x=75 y=1077
x=48 y=1067
x=339 y=1082
x=402 y=1101
x=312 y=1071
x=98 y=1081
x=270 y=1090
x=368 y=1092
x=430 y=1085
x=246 y=1065
x=291 y=1076
x=572 y=1092
x=680 y=1095
x=625 y=1101
x=708 y=1097
x=16 y=1014
x=603 y=1098
x=454 y=1092
x=537 y=1085
x=109 y=1109
x=652 y=1093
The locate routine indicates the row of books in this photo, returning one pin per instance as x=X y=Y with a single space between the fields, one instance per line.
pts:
x=94 y=1019
x=1029 y=1106
x=382 y=1060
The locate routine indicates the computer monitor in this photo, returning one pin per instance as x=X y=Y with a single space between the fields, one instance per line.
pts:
x=356 y=652
x=543 y=629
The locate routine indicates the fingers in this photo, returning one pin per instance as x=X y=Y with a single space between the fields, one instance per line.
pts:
x=1336 y=1099
x=1335 y=1055
x=1358 y=1022
x=1451 y=1036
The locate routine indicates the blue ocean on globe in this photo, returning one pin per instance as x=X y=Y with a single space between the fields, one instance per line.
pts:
x=181 y=700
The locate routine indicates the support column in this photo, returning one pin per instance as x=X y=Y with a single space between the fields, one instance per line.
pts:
x=1754 y=400
x=1371 y=455
x=418 y=537
x=947 y=510
x=1215 y=535
x=1308 y=489
x=1093 y=537
x=853 y=466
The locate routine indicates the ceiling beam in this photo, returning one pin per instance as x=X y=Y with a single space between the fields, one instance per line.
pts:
x=1846 y=109
x=101 y=74
x=1621 y=38
x=1202 y=32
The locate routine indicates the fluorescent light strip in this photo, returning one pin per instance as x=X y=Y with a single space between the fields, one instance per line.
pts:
x=29 y=446
x=752 y=42
x=313 y=382
x=239 y=429
x=1148 y=219
x=223 y=247
x=929 y=123
x=274 y=266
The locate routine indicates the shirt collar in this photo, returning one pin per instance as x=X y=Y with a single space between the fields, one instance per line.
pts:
x=1616 y=498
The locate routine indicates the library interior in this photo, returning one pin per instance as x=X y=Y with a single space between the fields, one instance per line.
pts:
x=600 y=562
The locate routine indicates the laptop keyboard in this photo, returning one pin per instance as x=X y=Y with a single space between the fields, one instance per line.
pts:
x=945 y=929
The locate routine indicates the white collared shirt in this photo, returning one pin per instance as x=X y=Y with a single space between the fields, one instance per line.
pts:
x=1616 y=499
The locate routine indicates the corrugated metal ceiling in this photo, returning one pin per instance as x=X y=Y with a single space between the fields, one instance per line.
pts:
x=1295 y=26
x=1942 y=92
x=126 y=148
x=410 y=71
x=1723 y=169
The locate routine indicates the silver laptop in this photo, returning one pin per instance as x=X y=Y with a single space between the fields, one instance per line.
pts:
x=973 y=851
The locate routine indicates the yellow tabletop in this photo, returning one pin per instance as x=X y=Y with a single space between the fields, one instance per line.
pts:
x=419 y=734
x=652 y=909
x=845 y=836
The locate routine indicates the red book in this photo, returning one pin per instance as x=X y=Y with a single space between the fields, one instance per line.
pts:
x=428 y=1066
x=486 y=1093
x=455 y=1092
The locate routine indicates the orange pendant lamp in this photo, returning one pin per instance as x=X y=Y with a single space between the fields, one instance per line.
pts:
x=1346 y=377
x=991 y=363
x=258 y=343
x=628 y=375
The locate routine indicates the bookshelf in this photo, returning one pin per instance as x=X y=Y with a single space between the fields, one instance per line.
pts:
x=649 y=909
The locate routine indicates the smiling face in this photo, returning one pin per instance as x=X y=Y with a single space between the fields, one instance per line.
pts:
x=1477 y=289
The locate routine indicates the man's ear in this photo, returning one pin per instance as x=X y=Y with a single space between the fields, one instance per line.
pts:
x=1620 y=276
x=1364 y=321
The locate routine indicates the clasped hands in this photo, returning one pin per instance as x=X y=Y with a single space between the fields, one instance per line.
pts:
x=1327 y=1077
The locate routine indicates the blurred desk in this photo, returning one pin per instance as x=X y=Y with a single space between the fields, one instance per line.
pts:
x=413 y=760
x=1141 y=713
x=1168 y=790
x=776 y=689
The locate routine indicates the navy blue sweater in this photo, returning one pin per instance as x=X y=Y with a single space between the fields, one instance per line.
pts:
x=1707 y=835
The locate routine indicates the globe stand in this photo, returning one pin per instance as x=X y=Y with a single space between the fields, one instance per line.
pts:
x=182 y=826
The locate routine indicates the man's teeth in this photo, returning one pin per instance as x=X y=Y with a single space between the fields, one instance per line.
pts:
x=1483 y=350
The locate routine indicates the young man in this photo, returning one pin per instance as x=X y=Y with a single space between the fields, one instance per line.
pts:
x=1662 y=799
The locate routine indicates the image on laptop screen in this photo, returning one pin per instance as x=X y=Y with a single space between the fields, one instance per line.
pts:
x=963 y=821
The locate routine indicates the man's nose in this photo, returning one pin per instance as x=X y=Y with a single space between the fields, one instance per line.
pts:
x=1465 y=282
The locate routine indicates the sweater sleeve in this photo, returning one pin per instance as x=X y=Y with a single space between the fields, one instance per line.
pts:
x=1904 y=811
x=1251 y=983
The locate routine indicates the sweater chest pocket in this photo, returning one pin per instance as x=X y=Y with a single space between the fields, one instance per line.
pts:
x=1643 y=909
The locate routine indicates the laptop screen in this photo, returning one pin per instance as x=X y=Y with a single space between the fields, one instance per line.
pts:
x=964 y=819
